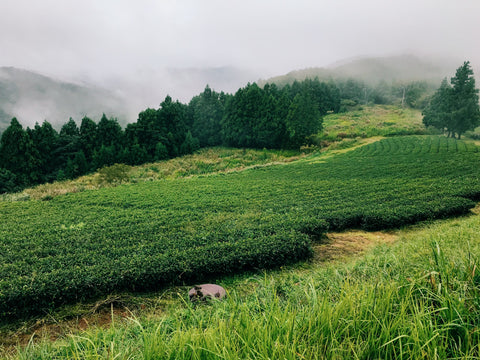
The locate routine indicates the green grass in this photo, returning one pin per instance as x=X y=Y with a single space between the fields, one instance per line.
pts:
x=143 y=236
x=379 y=120
x=415 y=299
x=202 y=162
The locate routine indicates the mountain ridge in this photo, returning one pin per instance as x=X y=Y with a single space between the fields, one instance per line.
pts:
x=372 y=70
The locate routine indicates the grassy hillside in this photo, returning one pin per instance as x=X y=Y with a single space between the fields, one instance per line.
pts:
x=144 y=236
x=202 y=162
x=372 y=121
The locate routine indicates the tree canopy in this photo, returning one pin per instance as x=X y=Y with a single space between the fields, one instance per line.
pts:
x=454 y=107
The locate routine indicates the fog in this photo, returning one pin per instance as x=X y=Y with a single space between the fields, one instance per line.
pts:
x=141 y=47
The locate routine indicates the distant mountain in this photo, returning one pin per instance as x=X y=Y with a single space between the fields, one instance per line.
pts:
x=373 y=70
x=32 y=97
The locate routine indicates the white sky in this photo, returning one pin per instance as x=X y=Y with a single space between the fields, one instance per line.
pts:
x=103 y=38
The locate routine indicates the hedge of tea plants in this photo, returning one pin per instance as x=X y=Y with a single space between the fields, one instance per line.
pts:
x=141 y=237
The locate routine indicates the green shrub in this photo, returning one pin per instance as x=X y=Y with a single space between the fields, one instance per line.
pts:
x=114 y=174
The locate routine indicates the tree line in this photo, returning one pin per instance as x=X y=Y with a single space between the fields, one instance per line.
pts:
x=253 y=117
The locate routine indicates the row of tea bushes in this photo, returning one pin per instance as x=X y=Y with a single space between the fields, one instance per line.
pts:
x=147 y=235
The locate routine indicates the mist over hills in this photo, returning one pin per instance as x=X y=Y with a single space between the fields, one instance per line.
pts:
x=372 y=70
x=149 y=87
x=32 y=97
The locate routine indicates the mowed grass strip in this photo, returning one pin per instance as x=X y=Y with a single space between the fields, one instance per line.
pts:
x=144 y=236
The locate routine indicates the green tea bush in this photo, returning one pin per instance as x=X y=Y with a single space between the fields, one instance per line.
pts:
x=144 y=236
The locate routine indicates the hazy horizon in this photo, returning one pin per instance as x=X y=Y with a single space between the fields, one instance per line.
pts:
x=147 y=49
x=101 y=40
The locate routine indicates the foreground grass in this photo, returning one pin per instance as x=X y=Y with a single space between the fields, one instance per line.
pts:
x=418 y=298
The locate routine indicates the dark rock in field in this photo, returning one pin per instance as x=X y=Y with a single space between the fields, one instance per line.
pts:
x=206 y=291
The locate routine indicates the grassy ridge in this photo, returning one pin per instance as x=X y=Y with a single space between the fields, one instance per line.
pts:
x=146 y=235
x=204 y=161
x=379 y=120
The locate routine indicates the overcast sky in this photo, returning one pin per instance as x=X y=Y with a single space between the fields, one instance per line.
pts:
x=101 y=38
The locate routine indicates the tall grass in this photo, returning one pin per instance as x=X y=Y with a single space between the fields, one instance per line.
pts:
x=416 y=299
x=378 y=120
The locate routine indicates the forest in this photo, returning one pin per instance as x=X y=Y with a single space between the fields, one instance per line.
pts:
x=270 y=117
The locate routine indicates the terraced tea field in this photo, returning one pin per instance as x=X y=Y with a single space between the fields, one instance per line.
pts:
x=144 y=236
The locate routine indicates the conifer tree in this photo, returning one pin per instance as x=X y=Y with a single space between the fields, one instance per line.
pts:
x=88 y=137
x=207 y=112
x=464 y=100
x=438 y=112
x=17 y=153
x=455 y=109
x=303 y=119
x=45 y=141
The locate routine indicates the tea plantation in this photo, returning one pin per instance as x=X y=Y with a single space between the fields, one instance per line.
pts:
x=144 y=236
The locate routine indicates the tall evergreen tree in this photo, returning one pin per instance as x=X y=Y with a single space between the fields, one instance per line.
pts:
x=70 y=128
x=88 y=137
x=45 y=141
x=303 y=119
x=465 y=107
x=253 y=118
x=207 y=112
x=68 y=144
x=235 y=125
x=455 y=108
x=171 y=121
x=147 y=132
x=109 y=133
x=17 y=153
x=438 y=112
